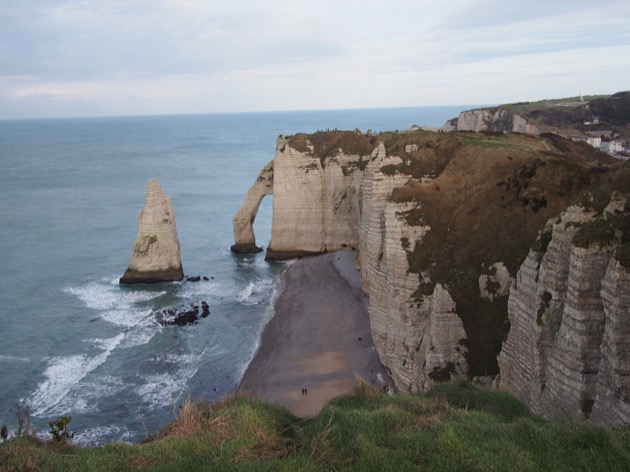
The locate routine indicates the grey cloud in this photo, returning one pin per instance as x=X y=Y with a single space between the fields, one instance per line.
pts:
x=498 y=13
x=87 y=40
x=488 y=29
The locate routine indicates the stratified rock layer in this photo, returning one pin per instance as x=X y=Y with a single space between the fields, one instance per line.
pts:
x=155 y=256
x=568 y=351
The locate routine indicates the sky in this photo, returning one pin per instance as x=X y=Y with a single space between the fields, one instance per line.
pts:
x=142 y=57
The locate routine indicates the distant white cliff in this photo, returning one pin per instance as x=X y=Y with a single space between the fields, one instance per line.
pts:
x=490 y=119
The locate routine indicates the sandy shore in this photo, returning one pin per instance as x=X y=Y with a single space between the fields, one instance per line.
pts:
x=318 y=340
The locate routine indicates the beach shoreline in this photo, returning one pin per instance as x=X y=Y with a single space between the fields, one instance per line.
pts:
x=318 y=343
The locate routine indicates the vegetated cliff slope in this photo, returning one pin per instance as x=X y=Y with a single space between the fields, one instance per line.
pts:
x=442 y=222
x=568 y=117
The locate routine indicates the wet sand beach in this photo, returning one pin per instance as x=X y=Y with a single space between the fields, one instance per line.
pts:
x=318 y=341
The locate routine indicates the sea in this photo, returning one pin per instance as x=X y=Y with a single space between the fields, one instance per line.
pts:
x=73 y=341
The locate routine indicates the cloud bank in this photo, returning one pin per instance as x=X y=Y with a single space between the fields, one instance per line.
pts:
x=90 y=58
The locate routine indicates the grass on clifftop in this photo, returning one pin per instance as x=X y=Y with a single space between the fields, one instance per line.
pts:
x=454 y=427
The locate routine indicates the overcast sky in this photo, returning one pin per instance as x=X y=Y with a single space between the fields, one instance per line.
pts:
x=137 y=57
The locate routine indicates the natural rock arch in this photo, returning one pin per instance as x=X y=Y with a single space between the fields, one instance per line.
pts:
x=243 y=222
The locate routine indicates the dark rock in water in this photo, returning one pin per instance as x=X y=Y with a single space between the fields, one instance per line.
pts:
x=182 y=315
x=196 y=278
x=205 y=309
x=245 y=249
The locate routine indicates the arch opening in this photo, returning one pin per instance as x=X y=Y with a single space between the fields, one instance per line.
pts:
x=243 y=222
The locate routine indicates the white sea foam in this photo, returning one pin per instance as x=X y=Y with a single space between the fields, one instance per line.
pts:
x=86 y=395
x=105 y=296
x=117 y=306
x=94 y=436
x=203 y=289
x=64 y=373
x=246 y=263
x=129 y=317
x=13 y=359
x=139 y=336
x=256 y=292
x=94 y=388
x=165 y=389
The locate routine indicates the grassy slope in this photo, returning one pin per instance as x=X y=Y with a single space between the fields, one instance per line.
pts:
x=453 y=427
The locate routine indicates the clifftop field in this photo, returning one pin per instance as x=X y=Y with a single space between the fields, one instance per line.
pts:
x=453 y=427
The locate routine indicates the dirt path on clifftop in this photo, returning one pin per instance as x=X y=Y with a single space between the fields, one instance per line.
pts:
x=318 y=340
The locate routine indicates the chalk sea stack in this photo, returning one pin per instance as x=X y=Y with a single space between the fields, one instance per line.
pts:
x=156 y=253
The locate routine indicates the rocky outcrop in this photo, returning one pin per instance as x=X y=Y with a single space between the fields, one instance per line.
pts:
x=244 y=238
x=182 y=315
x=155 y=256
x=567 y=353
x=490 y=119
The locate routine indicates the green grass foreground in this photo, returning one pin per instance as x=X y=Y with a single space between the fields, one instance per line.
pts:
x=454 y=427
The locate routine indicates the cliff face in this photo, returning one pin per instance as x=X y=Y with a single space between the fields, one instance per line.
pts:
x=442 y=223
x=418 y=342
x=567 y=353
x=491 y=119
x=155 y=256
x=315 y=201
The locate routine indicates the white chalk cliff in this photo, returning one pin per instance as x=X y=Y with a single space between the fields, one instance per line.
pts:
x=418 y=342
x=490 y=119
x=568 y=350
x=155 y=256
x=315 y=201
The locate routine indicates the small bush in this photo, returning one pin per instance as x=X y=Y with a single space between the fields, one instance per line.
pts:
x=59 y=429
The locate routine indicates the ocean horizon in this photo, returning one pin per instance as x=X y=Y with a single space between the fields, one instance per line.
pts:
x=76 y=343
x=368 y=111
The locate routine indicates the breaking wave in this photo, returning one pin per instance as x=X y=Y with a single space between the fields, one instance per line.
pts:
x=62 y=374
